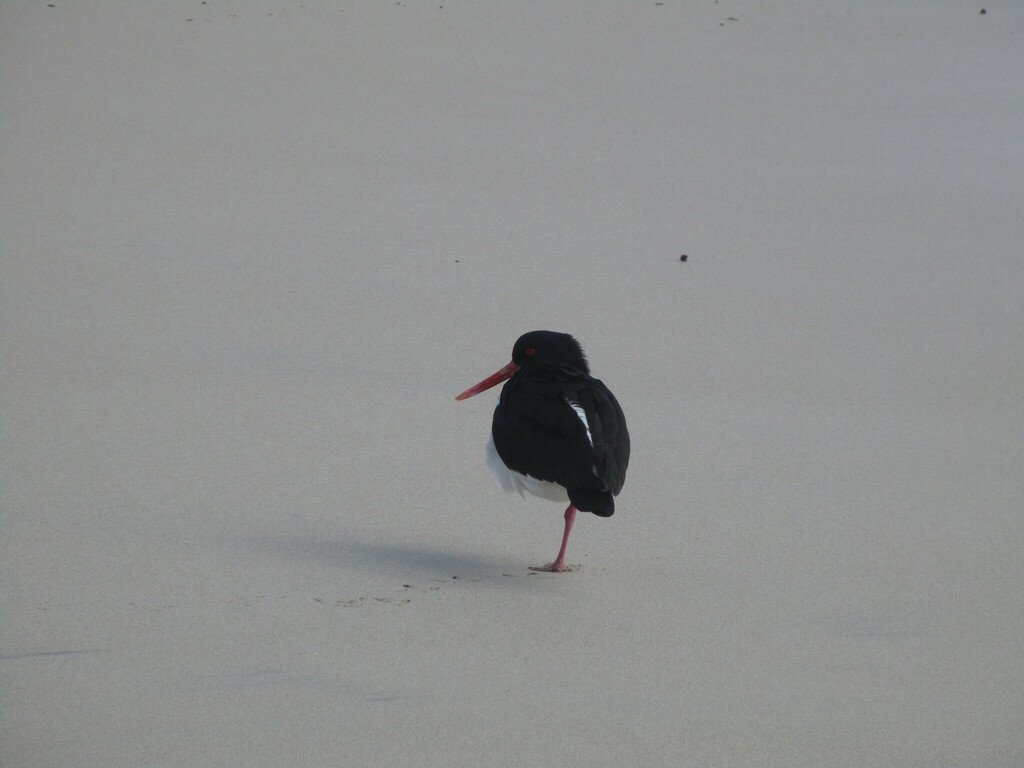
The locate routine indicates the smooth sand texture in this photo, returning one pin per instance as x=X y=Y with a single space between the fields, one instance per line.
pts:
x=251 y=252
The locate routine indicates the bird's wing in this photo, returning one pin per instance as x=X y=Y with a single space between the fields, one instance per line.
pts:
x=571 y=435
x=607 y=431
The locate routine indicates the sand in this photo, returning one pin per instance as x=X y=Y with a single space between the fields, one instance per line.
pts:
x=252 y=251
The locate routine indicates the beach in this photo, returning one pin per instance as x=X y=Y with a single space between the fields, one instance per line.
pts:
x=252 y=251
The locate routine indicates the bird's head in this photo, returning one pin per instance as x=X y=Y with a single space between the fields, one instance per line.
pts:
x=549 y=348
x=533 y=349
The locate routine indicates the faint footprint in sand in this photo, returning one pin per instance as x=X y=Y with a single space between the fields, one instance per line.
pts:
x=405 y=596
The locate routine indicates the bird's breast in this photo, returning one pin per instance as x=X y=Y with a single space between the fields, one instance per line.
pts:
x=522 y=484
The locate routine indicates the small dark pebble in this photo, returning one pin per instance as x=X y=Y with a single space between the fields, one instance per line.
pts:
x=683 y=257
x=407 y=586
x=983 y=11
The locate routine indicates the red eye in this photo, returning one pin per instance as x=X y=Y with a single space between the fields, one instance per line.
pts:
x=529 y=351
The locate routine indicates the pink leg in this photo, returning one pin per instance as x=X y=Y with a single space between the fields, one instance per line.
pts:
x=559 y=565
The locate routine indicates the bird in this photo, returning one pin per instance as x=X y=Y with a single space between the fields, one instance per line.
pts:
x=557 y=432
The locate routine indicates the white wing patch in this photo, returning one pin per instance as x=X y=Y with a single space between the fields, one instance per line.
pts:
x=583 y=417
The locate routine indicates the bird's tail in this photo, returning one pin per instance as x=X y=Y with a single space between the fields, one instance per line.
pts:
x=600 y=503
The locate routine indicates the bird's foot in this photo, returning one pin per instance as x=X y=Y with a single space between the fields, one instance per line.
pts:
x=556 y=567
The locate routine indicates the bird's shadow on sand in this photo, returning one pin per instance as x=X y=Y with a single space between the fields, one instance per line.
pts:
x=390 y=559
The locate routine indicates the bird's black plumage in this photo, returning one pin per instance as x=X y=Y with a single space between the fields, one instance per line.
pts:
x=538 y=430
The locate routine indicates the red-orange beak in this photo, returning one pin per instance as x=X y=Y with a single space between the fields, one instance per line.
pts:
x=490 y=381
